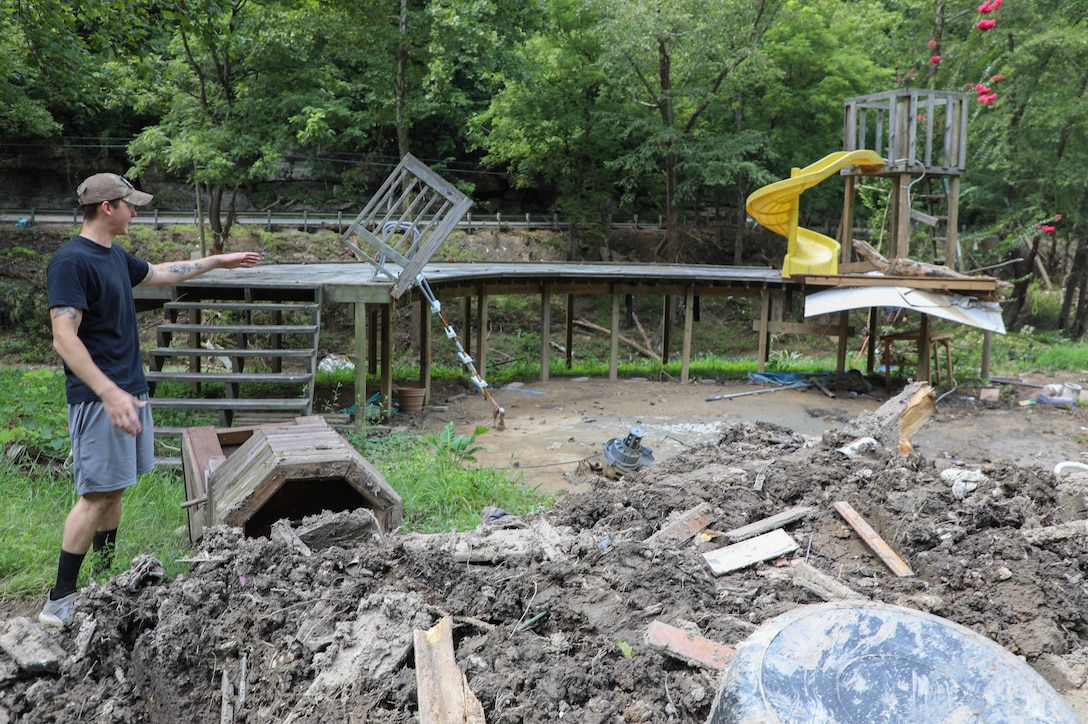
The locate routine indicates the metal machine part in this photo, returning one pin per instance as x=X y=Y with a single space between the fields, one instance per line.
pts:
x=626 y=455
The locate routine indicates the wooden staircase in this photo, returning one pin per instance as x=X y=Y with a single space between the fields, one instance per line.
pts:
x=215 y=340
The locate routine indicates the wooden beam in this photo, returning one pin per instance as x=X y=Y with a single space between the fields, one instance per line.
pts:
x=442 y=690
x=689 y=647
x=872 y=539
x=768 y=524
x=749 y=552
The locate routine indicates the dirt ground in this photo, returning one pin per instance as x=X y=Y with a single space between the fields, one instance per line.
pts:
x=555 y=431
x=550 y=612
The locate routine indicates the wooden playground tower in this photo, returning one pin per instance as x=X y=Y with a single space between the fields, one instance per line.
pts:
x=922 y=135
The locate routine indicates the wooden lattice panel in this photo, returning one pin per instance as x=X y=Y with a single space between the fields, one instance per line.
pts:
x=405 y=222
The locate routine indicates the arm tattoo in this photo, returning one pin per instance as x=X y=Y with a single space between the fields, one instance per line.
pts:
x=184 y=267
x=69 y=312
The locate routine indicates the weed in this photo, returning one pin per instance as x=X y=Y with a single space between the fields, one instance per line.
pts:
x=34 y=413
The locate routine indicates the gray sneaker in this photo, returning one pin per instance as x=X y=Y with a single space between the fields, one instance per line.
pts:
x=58 y=613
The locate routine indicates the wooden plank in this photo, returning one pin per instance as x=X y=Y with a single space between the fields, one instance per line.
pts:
x=814 y=581
x=442 y=690
x=939 y=283
x=686 y=525
x=749 y=552
x=689 y=647
x=768 y=524
x=873 y=539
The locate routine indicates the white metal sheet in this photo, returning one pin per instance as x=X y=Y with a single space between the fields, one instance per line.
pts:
x=954 y=307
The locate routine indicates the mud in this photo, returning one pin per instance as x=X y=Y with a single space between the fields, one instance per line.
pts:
x=550 y=611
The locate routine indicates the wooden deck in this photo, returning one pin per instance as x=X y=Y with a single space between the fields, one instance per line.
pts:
x=359 y=284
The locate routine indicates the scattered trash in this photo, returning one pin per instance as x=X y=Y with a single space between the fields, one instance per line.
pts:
x=862 y=444
x=335 y=363
x=626 y=455
x=491 y=514
x=963 y=481
x=1063 y=467
x=1067 y=402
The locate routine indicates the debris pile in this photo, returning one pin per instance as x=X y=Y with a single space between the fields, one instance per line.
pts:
x=605 y=608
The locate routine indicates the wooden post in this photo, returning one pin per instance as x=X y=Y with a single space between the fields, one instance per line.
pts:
x=361 y=361
x=689 y=320
x=481 y=332
x=372 y=340
x=844 y=338
x=764 y=329
x=846 y=226
x=467 y=325
x=545 y=331
x=902 y=216
x=425 y=351
x=987 y=349
x=387 y=361
x=570 y=331
x=924 y=372
x=666 y=327
x=614 y=339
x=951 y=258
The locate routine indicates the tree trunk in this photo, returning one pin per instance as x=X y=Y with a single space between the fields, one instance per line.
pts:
x=1025 y=272
x=1076 y=274
x=215 y=221
x=741 y=222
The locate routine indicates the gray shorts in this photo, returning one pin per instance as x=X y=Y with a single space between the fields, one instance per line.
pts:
x=104 y=458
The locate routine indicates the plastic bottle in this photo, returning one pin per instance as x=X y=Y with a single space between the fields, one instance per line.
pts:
x=1058 y=401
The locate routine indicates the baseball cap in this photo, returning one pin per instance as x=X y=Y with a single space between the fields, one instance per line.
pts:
x=109 y=186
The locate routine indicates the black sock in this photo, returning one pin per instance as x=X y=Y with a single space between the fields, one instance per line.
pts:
x=67 y=574
x=104 y=543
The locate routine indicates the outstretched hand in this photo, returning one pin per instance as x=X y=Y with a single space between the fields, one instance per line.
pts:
x=244 y=259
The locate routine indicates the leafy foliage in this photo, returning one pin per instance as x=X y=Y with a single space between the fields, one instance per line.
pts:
x=34 y=413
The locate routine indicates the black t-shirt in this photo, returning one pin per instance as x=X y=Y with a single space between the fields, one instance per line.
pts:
x=99 y=281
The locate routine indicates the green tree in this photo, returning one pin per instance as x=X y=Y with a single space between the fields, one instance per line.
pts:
x=552 y=124
x=235 y=87
x=672 y=59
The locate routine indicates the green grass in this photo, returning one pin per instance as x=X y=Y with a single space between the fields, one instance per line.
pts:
x=36 y=490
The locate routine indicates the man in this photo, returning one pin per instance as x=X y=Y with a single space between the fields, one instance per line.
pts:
x=95 y=332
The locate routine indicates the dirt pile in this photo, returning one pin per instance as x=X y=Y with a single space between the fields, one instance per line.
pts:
x=551 y=611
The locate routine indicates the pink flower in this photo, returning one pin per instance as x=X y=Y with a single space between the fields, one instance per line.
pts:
x=983 y=90
x=1057 y=217
x=932 y=44
x=985 y=25
x=987 y=99
x=986 y=7
x=1046 y=229
x=995 y=5
x=922 y=117
x=935 y=59
x=997 y=78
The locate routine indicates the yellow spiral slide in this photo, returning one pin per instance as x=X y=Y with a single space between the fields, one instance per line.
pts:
x=776 y=207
